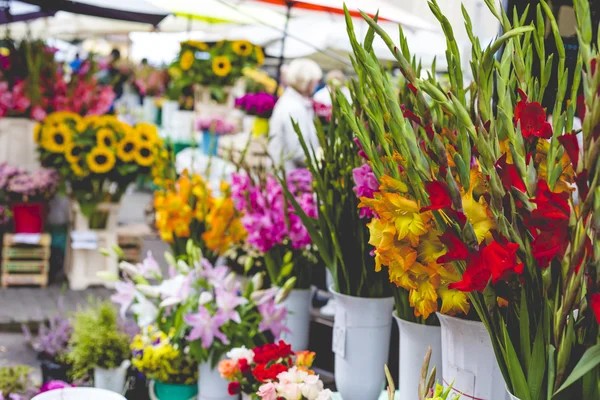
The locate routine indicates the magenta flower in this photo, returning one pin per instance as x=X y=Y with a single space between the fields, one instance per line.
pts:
x=54 y=385
x=227 y=302
x=273 y=318
x=258 y=104
x=206 y=327
x=124 y=296
x=366 y=186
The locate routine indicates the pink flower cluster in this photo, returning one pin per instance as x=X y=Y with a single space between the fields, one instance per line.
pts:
x=366 y=185
x=323 y=111
x=268 y=217
x=216 y=125
x=19 y=185
x=84 y=98
x=295 y=384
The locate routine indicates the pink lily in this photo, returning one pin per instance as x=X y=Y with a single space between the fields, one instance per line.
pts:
x=227 y=303
x=206 y=327
x=124 y=296
x=273 y=318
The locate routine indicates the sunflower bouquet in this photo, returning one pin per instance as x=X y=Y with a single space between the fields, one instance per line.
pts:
x=187 y=209
x=512 y=197
x=97 y=157
x=214 y=66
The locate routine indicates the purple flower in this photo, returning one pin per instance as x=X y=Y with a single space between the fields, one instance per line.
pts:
x=213 y=275
x=273 y=318
x=124 y=296
x=258 y=104
x=227 y=302
x=54 y=385
x=149 y=268
x=206 y=327
x=366 y=186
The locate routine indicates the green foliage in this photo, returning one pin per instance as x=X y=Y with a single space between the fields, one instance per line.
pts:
x=97 y=340
x=15 y=380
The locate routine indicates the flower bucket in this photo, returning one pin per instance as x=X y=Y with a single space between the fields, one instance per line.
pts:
x=298 y=319
x=169 y=109
x=415 y=339
x=171 y=391
x=210 y=143
x=248 y=123
x=79 y=393
x=112 y=379
x=260 y=127
x=361 y=343
x=510 y=396
x=469 y=360
x=17 y=143
x=211 y=385
x=149 y=110
x=53 y=371
x=29 y=217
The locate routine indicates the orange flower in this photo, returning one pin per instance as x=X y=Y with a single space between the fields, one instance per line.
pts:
x=228 y=368
x=305 y=358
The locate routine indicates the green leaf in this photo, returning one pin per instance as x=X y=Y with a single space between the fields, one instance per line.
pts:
x=525 y=337
x=537 y=366
x=589 y=360
x=517 y=377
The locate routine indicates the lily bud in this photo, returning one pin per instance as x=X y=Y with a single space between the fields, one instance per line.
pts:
x=129 y=269
x=205 y=297
x=257 y=295
x=118 y=251
x=229 y=282
x=170 y=259
x=182 y=267
x=107 y=276
x=258 y=280
x=148 y=290
x=104 y=251
x=171 y=301
x=284 y=292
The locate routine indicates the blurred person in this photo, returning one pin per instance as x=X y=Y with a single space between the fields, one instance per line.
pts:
x=76 y=63
x=333 y=80
x=301 y=77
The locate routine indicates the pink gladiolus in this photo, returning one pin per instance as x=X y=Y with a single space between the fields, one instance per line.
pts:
x=366 y=186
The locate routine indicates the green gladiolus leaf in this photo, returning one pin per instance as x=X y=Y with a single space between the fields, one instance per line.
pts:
x=589 y=361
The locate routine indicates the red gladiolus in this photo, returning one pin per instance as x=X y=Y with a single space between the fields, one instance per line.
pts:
x=233 y=388
x=262 y=373
x=553 y=210
x=410 y=115
x=582 y=184
x=581 y=110
x=571 y=145
x=457 y=250
x=533 y=120
x=412 y=88
x=438 y=196
x=496 y=261
x=595 y=305
x=548 y=245
x=509 y=175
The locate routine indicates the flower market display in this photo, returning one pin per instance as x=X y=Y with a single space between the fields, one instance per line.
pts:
x=273 y=371
x=33 y=85
x=98 y=157
x=212 y=129
x=215 y=66
x=27 y=194
x=497 y=186
x=187 y=209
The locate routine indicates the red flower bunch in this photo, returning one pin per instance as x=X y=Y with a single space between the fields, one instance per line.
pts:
x=532 y=118
x=271 y=352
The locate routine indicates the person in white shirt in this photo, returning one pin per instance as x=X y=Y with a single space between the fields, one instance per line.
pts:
x=334 y=79
x=302 y=77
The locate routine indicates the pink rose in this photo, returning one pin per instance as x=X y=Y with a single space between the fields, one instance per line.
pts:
x=267 y=392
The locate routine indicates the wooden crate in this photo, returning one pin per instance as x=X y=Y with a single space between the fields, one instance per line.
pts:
x=25 y=264
x=131 y=240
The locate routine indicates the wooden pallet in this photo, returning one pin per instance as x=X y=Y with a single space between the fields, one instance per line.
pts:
x=131 y=240
x=25 y=264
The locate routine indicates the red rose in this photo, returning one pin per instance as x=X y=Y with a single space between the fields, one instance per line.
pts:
x=264 y=354
x=243 y=365
x=264 y=374
x=233 y=388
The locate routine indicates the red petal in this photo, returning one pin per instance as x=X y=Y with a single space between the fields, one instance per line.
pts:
x=582 y=184
x=522 y=94
x=509 y=175
x=457 y=250
x=412 y=88
x=581 y=107
x=571 y=145
x=439 y=196
x=593 y=64
x=595 y=305
x=545 y=132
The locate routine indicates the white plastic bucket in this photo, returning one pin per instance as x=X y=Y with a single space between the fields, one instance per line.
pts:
x=469 y=360
x=150 y=111
x=112 y=379
x=415 y=340
x=298 y=319
x=169 y=108
x=361 y=343
x=211 y=385
x=79 y=394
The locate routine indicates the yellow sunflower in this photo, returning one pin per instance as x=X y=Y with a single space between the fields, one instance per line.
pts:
x=105 y=137
x=260 y=56
x=187 y=59
x=101 y=160
x=147 y=132
x=73 y=153
x=242 y=48
x=37 y=133
x=60 y=117
x=56 y=139
x=221 y=66
x=197 y=44
x=127 y=149
x=144 y=155
x=77 y=169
